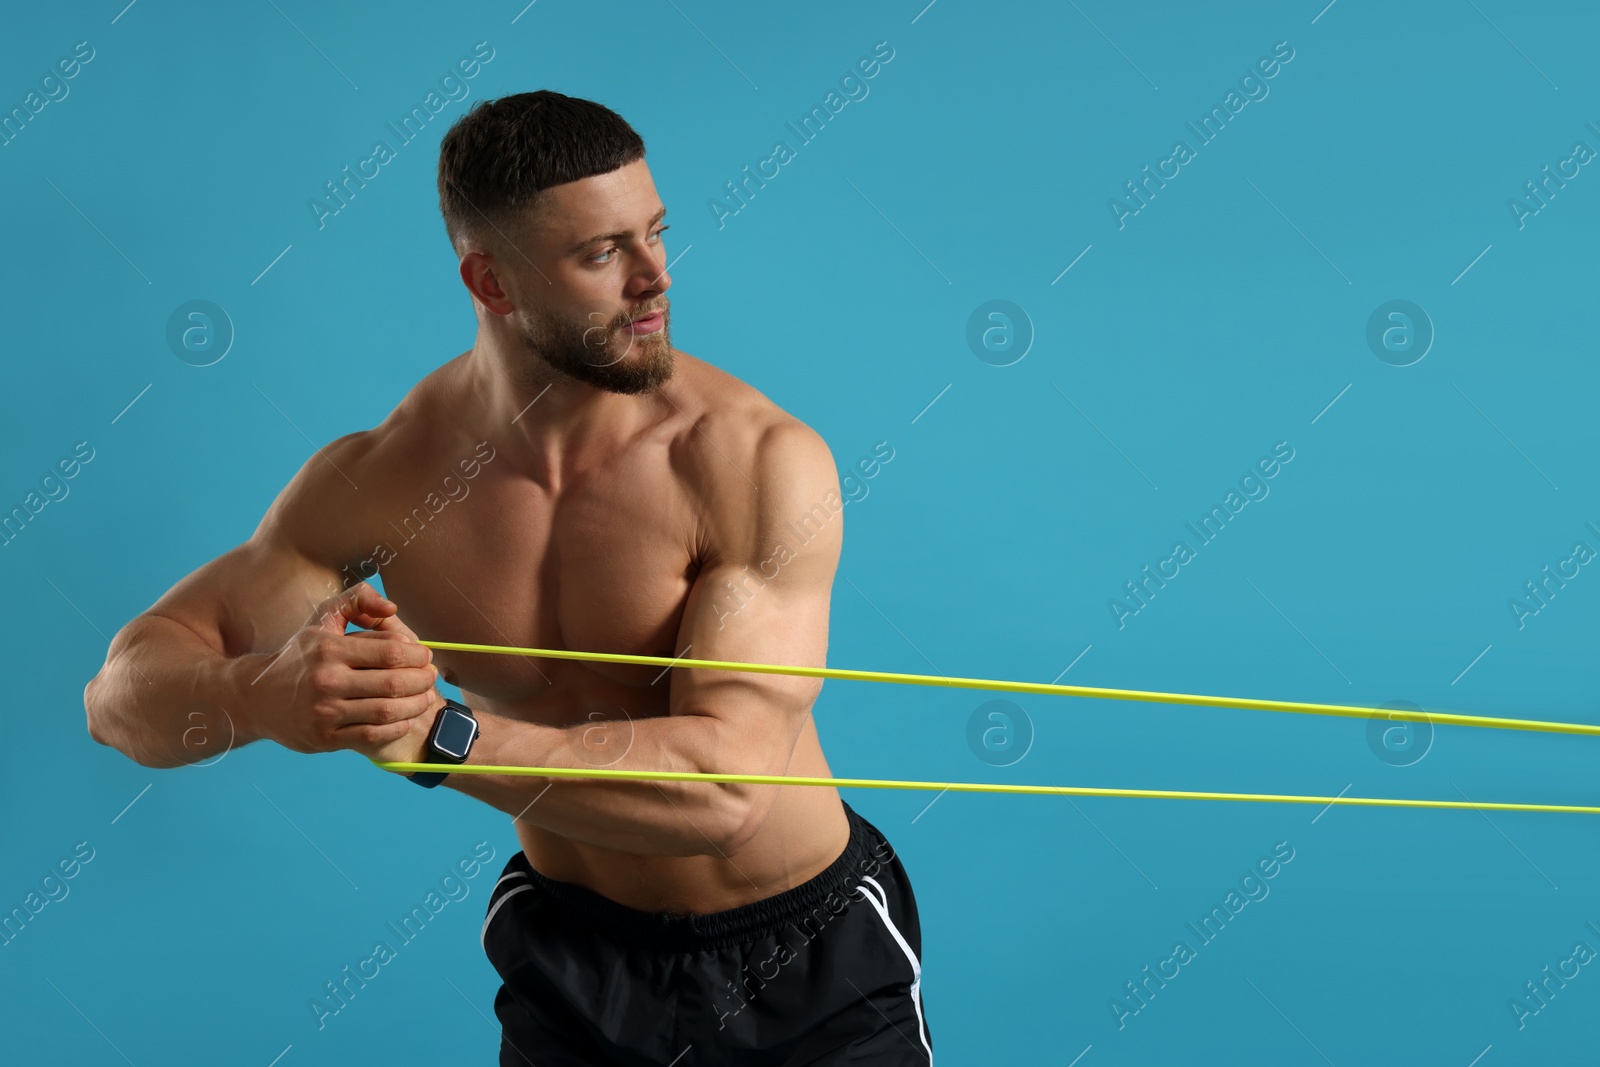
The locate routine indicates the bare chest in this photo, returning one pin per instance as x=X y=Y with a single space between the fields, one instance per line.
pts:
x=604 y=565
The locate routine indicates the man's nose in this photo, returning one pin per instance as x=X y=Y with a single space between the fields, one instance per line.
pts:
x=652 y=276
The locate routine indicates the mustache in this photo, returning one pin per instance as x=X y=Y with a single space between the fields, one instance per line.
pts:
x=643 y=313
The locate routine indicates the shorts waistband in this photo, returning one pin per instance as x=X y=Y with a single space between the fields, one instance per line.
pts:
x=865 y=853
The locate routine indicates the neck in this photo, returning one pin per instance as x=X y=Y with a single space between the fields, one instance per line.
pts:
x=551 y=423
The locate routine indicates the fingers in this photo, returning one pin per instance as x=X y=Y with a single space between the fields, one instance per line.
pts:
x=370 y=735
x=381 y=711
x=360 y=604
x=386 y=649
x=392 y=624
x=345 y=699
x=367 y=686
x=333 y=717
x=347 y=685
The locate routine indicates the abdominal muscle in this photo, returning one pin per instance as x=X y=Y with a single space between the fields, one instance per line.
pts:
x=805 y=830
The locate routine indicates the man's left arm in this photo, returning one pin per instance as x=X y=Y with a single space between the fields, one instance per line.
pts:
x=761 y=596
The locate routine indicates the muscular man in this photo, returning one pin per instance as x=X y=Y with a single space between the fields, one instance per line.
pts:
x=573 y=482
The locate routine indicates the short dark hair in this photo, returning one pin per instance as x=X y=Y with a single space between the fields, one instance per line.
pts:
x=497 y=159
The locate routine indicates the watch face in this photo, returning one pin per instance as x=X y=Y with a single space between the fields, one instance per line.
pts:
x=454 y=733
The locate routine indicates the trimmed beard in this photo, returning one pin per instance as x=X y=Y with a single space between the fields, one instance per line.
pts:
x=602 y=356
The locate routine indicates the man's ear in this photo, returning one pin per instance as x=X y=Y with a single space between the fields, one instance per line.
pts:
x=479 y=275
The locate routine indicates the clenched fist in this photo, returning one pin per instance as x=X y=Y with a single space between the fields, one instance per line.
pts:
x=371 y=690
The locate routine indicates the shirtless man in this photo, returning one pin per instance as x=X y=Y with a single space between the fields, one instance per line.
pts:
x=573 y=482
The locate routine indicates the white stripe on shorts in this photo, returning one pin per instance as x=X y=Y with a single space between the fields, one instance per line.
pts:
x=483 y=938
x=880 y=904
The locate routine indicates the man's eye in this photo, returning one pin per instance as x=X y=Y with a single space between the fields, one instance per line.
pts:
x=597 y=257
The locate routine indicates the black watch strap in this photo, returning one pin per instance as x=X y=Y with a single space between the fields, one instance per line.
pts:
x=428 y=779
x=454 y=731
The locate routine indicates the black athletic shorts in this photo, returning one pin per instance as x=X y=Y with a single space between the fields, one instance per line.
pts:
x=828 y=972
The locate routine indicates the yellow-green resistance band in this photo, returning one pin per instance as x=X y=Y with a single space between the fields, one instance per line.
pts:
x=964 y=787
x=1009 y=687
x=1043 y=688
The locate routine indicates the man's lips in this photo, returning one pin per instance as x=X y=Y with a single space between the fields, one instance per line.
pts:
x=646 y=323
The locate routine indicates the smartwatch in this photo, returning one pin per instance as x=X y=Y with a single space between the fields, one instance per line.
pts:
x=455 y=728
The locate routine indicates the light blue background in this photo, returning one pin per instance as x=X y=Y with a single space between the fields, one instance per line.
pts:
x=1223 y=318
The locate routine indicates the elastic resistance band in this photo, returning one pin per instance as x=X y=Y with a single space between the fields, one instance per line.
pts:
x=966 y=787
x=1043 y=688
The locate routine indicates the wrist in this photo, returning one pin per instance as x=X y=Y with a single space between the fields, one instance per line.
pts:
x=230 y=683
x=449 y=740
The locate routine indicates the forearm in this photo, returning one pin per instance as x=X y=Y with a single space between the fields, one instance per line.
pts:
x=643 y=817
x=165 y=698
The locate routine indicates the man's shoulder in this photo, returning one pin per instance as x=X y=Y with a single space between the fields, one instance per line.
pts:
x=737 y=432
x=378 y=460
x=754 y=467
x=418 y=427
